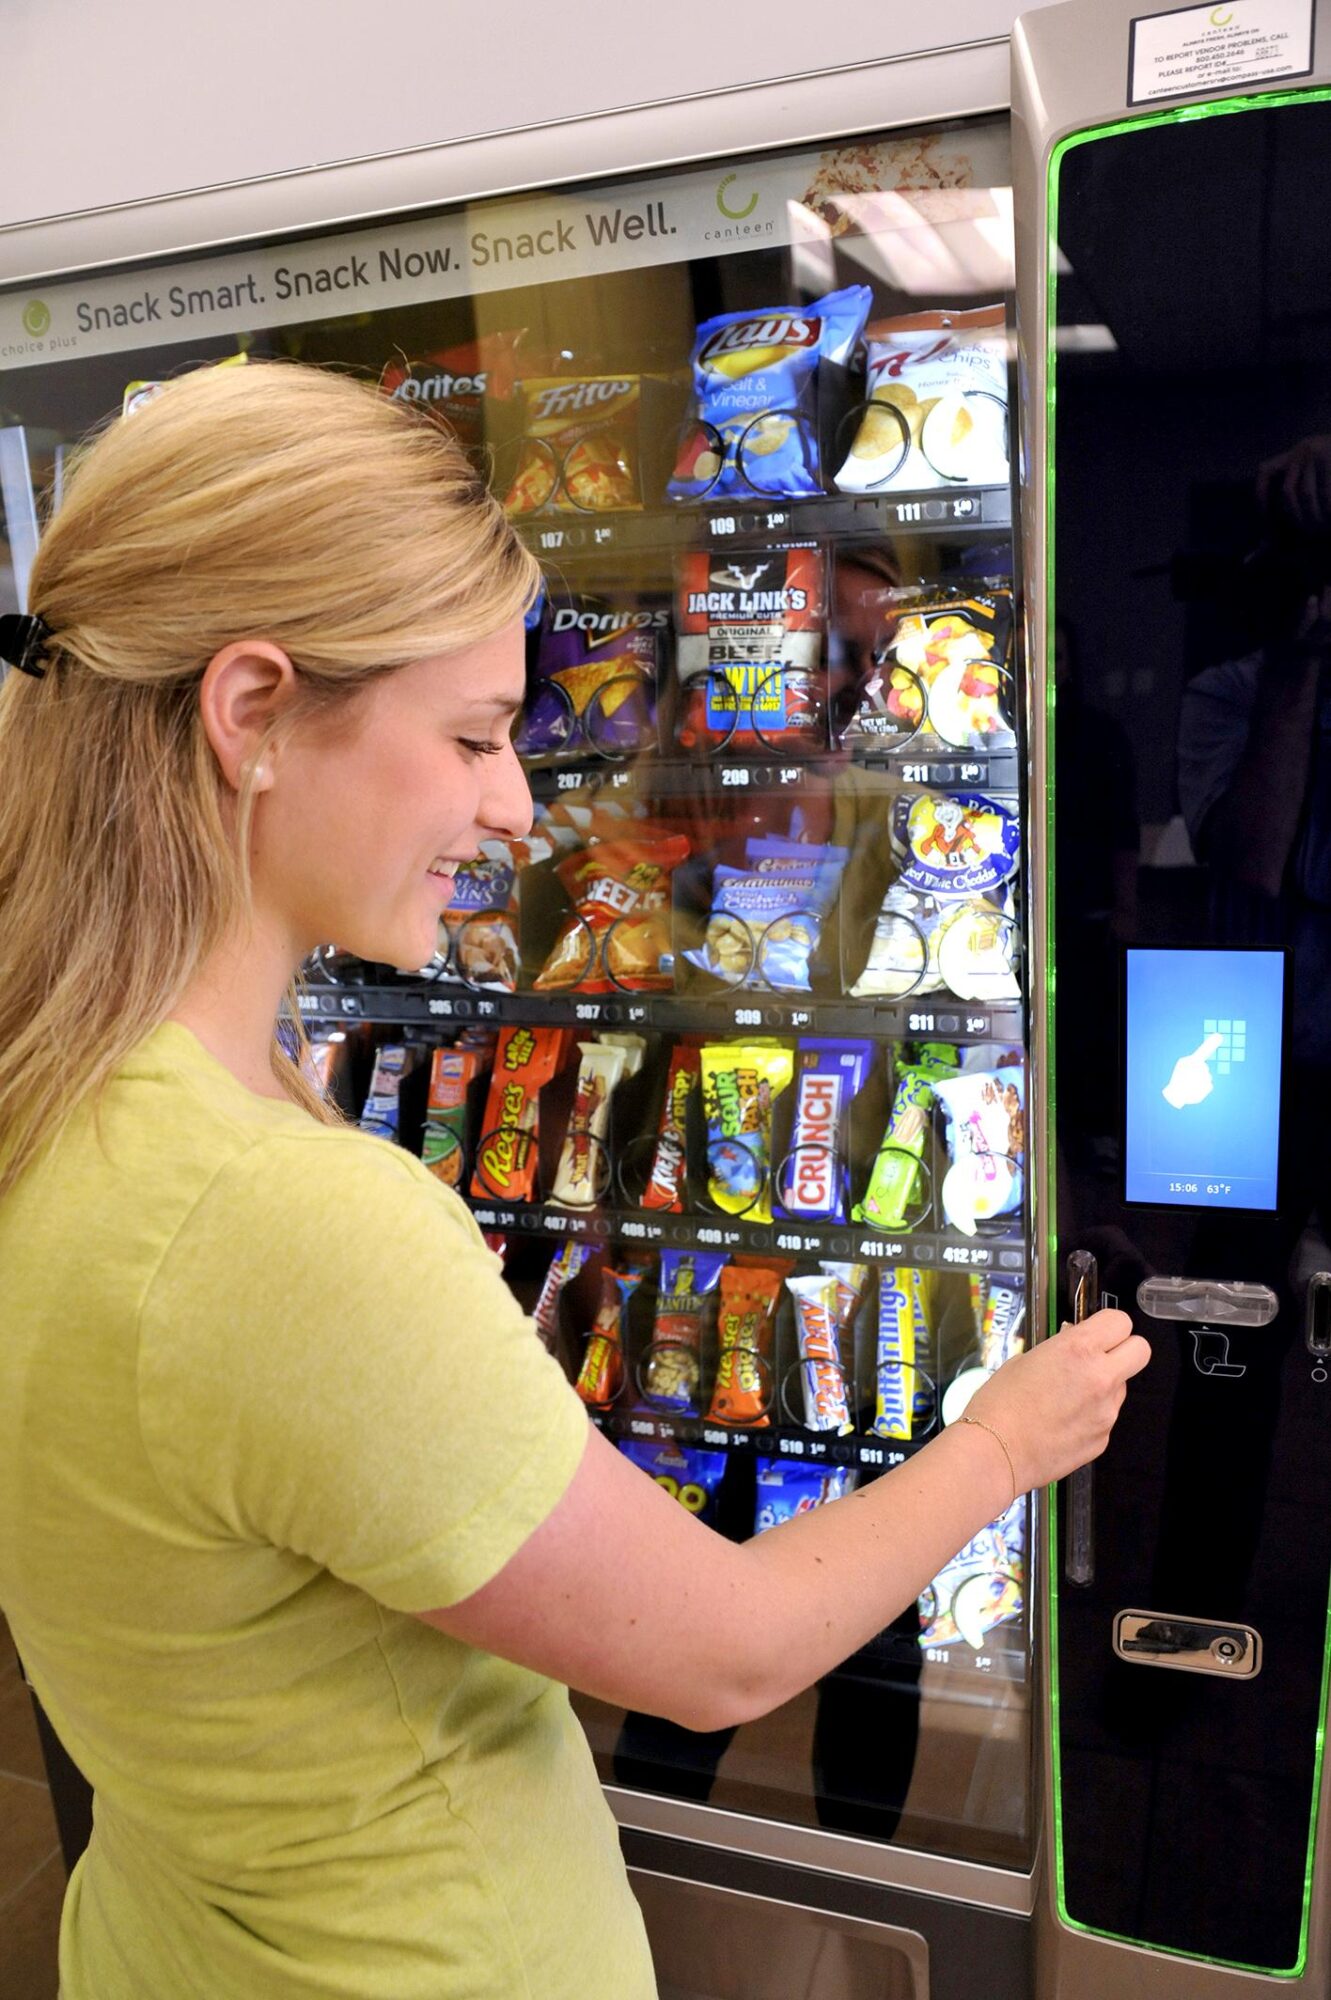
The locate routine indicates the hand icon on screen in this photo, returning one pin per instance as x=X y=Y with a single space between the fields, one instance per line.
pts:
x=1192 y=1079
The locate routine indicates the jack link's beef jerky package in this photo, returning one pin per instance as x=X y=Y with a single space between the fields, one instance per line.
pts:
x=453 y=382
x=592 y=689
x=947 y=920
x=942 y=678
x=580 y=449
x=755 y=420
x=749 y=651
x=936 y=398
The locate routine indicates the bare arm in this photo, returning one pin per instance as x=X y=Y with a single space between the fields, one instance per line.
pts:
x=623 y=1594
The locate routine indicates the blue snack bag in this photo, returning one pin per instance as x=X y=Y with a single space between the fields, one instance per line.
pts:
x=689 y=1475
x=786 y=1488
x=754 y=427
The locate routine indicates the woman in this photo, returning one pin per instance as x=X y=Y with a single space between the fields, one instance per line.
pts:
x=302 y=1534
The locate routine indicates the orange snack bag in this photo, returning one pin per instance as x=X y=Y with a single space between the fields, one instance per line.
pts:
x=618 y=937
x=750 y=1290
x=507 y=1157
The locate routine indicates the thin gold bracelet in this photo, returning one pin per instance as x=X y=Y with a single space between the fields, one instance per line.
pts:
x=1002 y=1446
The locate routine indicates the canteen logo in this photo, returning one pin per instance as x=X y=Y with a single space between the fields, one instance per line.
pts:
x=37 y=318
x=737 y=214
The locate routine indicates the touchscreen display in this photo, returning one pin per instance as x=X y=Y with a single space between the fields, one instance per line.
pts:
x=1202 y=1077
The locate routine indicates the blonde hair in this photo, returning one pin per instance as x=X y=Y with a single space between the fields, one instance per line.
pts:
x=273 y=500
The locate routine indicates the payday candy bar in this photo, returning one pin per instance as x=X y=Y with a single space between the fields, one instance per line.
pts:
x=814 y=1182
x=826 y=1403
x=506 y=1159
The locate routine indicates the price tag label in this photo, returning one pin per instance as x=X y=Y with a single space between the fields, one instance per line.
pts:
x=587 y=1010
x=552 y=538
x=748 y=1017
x=440 y=1009
x=309 y=1003
x=715 y=1437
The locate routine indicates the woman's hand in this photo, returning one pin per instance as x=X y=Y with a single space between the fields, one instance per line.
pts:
x=1055 y=1406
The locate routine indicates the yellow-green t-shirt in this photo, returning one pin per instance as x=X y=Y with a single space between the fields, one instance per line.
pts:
x=263 y=1394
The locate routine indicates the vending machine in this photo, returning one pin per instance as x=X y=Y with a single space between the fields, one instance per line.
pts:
x=1172 y=174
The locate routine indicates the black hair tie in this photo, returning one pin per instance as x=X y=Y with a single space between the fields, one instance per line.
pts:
x=22 y=638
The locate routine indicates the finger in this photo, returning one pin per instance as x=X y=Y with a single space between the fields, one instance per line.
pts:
x=1107 y=1329
x=1207 y=1047
x=1132 y=1356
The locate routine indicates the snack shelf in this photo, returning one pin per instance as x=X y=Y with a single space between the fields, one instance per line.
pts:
x=991 y=771
x=842 y=517
x=938 y=1017
x=774 y=1441
x=638 y=1229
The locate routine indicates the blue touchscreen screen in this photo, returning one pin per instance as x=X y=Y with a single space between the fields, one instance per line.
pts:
x=1203 y=1054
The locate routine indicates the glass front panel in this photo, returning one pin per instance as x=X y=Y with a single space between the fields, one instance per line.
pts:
x=752 y=990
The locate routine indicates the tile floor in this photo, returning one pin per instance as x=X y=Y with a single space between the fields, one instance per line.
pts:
x=32 y=1873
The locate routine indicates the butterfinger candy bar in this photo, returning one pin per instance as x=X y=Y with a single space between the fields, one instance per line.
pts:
x=830 y=1073
x=896 y=1349
x=602 y=1374
x=826 y=1404
x=567 y=1261
x=506 y=1159
x=673 y=1374
x=452 y=1072
x=664 y=1189
x=742 y=1392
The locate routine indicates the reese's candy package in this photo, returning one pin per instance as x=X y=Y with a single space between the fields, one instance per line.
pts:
x=742 y=1391
x=942 y=676
x=619 y=934
x=392 y=1063
x=822 y=1375
x=749 y=651
x=689 y=1474
x=453 y=382
x=983 y=1586
x=564 y=1266
x=787 y=1488
x=936 y=410
x=452 y=1072
x=601 y=1376
x=665 y=1186
x=506 y=1157
x=894 y=1179
x=986 y=1142
x=766 y=918
x=592 y=688
x=754 y=425
x=947 y=920
x=671 y=1376
x=740 y=1081
x=580 y=448
x=813 y=1180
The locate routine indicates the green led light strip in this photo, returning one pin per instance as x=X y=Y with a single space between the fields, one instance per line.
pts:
x=1179 y=115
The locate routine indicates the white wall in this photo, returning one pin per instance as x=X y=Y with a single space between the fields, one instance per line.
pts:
x=124 y=100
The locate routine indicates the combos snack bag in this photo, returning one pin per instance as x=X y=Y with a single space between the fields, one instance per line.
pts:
x=452 y=1072
x=665 y=1187
x=688 y=1474
x=583 y=1177
x=742 y=1391
x=942 y=678
x=507 y=1156
x=740 y=1080
x=766 y=918
x=749 y=651
x=892 y=1194
x=755 y=418
x=786 y=1488
x=593 y=685
x=453 y=382
x=982 y=1587
x=813 y=1181
x=986 y=1143
x=618 y=936
x=947 y=920
x=936 y=411
x=601 y=1376
x=671 y=1376
x=580 y=449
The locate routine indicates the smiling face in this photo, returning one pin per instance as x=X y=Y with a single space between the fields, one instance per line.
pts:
x=373 y=810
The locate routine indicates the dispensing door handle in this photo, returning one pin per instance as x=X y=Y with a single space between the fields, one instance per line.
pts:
x=1079 y=1549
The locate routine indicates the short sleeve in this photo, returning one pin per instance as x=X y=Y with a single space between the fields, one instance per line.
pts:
x=330 y=1362
x=1214 y=720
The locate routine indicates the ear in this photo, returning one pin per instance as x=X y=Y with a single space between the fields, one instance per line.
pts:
x=244 y=689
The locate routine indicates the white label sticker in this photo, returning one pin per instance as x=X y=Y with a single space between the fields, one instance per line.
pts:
x=1197 y=51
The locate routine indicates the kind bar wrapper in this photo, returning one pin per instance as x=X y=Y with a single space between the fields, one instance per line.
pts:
x=583 y=1177
x=894 y=1180
x=672 y=1373
x=452 y=1072
x=981 y=1587
x=754 y=425
x=749 y=651
x=453 y=382
x=1002 y=1321
x=942 y=678
x=580 y=449
x=986 y=1143
x=564 y=1266
x=688 y=1474
x=766 y=918
x=742 y=1392
x=665 y=1187
x=822 y=1377
x=740 y=1081
x=814 y=1179
x=592 y=687
x=936 y=404
x=618 y=937
x=946 y=921
x=506 y=1158
x=392 y=1063
x=601 y=1376
x=786 y=1488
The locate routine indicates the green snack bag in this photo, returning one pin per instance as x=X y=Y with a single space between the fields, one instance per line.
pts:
x=896 y=1170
